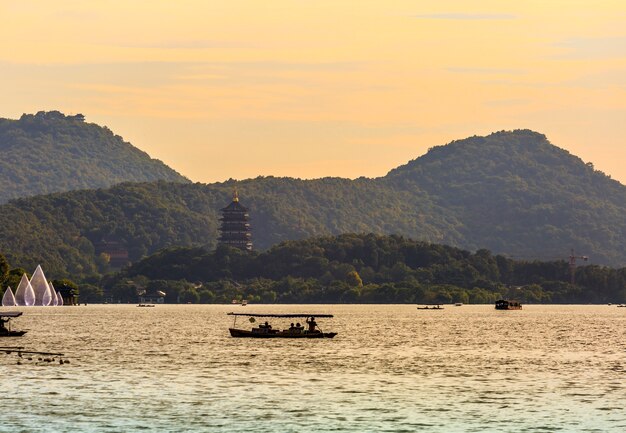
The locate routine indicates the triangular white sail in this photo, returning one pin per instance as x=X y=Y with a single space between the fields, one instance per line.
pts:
x=53 y=292
x=24 y=295
x=41 y=288
x=59 y=299
x=8 y=300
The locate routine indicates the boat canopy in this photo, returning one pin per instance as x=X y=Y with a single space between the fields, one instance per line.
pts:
x=11 y=314
x=280 y=315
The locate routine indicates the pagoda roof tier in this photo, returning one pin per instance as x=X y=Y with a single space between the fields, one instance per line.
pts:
x=234 y=206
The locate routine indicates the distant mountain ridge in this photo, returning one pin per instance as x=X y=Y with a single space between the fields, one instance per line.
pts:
x=51 y=152
x=513 y=193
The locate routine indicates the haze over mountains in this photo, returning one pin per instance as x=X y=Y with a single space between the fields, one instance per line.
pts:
x=510 y=192
x=50 y=152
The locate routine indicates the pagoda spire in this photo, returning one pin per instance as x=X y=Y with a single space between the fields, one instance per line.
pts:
x=235 y=195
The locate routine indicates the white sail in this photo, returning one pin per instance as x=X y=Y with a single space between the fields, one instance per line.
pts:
x=24 y=295
x=8 y=300
x=41 y=287
x=60 y=299
x=53 y=292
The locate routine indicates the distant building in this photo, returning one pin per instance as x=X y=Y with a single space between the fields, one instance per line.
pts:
x=116 y=251
x=69 y=295
x=235 y=229
x=155 y=297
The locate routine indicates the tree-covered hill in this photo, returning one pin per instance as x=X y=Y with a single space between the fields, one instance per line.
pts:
x=510 y=192
x=517 y=193
x=362 y=268
x=50 y=152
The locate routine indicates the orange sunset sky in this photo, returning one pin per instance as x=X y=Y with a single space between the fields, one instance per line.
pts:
x=303 y=88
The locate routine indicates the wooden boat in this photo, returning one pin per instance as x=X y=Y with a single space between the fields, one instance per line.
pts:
x=265 y=330
x=7 y=332
x=504 y=304
x=145 y=305
x=431 y=307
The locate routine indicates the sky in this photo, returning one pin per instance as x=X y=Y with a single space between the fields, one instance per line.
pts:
x=307 y=89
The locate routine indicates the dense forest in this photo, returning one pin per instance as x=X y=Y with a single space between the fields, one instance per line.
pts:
x=353 y=268
x=513 y=193
x=49 y=152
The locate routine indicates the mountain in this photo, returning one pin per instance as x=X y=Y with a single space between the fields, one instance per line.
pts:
x=50 y=152
x=510 y=192
x=517 y=193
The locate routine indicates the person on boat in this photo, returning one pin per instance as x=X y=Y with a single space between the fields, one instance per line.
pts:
x=265 y=326
x=312 y=324
x=299 y=327
x=292 y=327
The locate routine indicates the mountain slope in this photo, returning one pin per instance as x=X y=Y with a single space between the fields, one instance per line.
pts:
x=517 y=193
x=510 y=192
x=50 y=152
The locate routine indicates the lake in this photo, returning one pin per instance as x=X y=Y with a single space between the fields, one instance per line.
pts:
x=391 y=368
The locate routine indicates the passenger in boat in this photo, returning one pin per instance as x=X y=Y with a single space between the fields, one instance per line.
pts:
x=292 y=327
x=299 y=327
x=312 y=324
x=265 y=326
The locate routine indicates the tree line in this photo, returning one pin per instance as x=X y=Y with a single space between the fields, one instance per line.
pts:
x=360 y=268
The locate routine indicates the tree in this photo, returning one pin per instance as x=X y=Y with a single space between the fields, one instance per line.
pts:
x=90 y=293
x=4 y=269
x=353 y=279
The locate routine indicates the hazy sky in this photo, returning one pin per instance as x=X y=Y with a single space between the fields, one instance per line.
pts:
x=312 y=88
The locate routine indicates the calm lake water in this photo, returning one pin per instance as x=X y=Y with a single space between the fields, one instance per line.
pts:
x=391 y=368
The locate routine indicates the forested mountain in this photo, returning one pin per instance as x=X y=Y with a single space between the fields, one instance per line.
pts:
x=509 y=192
x=361 y=269
x=515 y=192
x=50 y=152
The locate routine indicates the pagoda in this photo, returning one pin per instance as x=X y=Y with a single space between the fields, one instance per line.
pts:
x=235 y=230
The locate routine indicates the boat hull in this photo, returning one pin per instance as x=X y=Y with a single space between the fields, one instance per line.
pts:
x=503 y=304
x=242 y=333
x=12 y=334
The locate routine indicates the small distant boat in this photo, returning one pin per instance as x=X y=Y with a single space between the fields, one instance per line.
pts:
x=430 y=307
x=621 y=305
x=145 y=305
x=504 y=304
x=458 y=304
x=244 y=303
x=7 y=332
x=265 y=330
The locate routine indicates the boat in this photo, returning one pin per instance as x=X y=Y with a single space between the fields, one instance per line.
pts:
x=145 y=305
x=621 y=305
x=505 y=304
x=244 y=303
x=458 y=304
x=265 y=330
x=430 y=307
x=7 y=332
